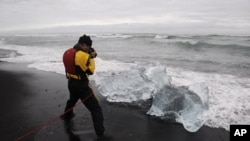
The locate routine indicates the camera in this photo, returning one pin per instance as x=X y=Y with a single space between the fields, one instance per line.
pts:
x=92 y=52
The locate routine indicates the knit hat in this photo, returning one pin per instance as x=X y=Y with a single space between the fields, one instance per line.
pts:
x=85 y=40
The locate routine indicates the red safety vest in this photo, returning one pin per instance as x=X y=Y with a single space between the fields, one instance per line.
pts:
x=69 y=61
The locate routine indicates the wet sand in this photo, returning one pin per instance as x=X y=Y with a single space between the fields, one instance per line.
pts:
x=31 y=99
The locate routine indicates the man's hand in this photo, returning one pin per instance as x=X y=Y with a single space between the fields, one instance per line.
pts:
x=93 y=54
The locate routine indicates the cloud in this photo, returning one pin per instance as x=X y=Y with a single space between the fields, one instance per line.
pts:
x=16 y=14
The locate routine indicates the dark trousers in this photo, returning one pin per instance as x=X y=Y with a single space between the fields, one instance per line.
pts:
x=80 y=90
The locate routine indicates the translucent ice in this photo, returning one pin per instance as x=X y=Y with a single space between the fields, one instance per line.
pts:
x=183 y=104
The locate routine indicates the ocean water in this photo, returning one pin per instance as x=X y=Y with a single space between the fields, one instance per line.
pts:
x=193 y=79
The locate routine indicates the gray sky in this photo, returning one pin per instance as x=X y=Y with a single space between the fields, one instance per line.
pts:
x=186 y=15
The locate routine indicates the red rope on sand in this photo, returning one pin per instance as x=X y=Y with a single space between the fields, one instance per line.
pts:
x=50 y=121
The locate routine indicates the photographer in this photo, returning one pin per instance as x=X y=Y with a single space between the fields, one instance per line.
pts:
x=79 y=64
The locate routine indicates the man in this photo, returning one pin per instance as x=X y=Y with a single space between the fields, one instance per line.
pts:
x=79 y=64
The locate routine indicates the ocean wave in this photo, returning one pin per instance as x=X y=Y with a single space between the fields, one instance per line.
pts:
x=113 y=35
x=199 y=44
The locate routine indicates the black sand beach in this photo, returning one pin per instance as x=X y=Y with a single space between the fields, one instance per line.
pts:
x=30 y=98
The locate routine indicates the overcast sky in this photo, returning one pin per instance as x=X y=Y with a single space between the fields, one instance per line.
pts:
x=214 y=15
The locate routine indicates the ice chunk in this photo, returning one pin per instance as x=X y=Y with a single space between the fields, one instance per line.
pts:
x=182 y=104
x=136 y=84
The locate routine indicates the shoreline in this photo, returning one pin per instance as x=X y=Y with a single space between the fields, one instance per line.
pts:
x=32 y=97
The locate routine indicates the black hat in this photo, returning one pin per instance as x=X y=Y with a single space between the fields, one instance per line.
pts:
x=84 y=39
